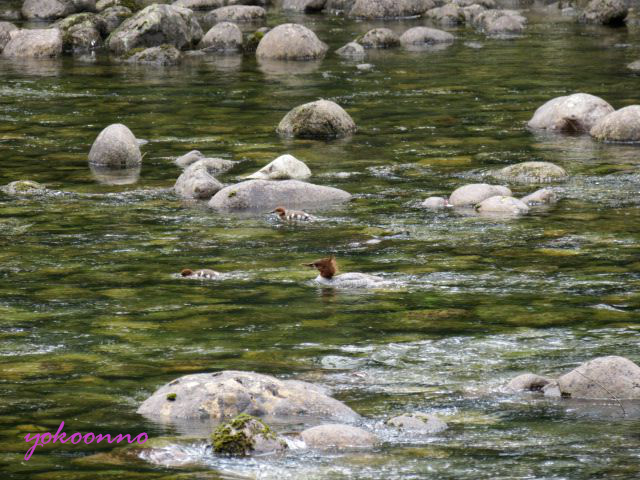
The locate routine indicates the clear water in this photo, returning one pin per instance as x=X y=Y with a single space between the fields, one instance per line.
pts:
x=93 y=318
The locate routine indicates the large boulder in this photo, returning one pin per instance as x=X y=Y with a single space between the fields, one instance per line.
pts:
x=620 y=126
x=527 y=382
x=291 y=41
x=338 y=436
x=379 y=38
x=229 y=393
x=36 y=43
x=113 y=17
x=500 y=204
x=475 y=193
x=499 y=22
x=222 y=37
x=154 y=26
x=265 y=195
x=389 y=8
x=81 y=32
x=54 y=9
x=305 y=6
x=418 y=422
x=602 y=378
x=115 y=147
x=532 y=172
x=284 y=167
x=319 y=119
x=236 y=14
x=246 y=435
x=419 y=37
x=448 y=15
x=164 y=55
x=197 y=183
x=605 y=12
x=575 y=113
x=5 y=33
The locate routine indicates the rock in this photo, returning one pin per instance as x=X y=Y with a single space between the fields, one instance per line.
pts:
x=246 y=435
x=448 y=15
x=575 y=113
x=389 y=8
x=470 y=3
x=605 y=12
x=113 y=17
x=551 y=390
x=527 y=382
x=196 y=182
x=154 y=26
x=319 y=119
x=532 y=172
x=115 y=147
x=379 y=38
x=475 y=193
x=338 y=436
x=502 y=204
x=229 y=393
x=215 y=166
x=500 y=22
x=435 y=203
x=351 y=50
x=283 y=168
x=200 y=4
x=304 y=6
x=424 y=36
x=602 y=378
x=339 y=6
x=36 y=43
x=620 y=126
x=23 y=188
x=540 y=197
x=53 y=9
x=471 y=13
x=222 y=37
x=291 y=41
x=188 y=158
x=10 y=13
x=418 y=422
x=81 y=32
x=265 y=195
x=5 y=33
x=236 y=14
x=164 y=55
x=635 y=66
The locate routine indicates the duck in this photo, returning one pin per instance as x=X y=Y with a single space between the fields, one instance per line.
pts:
x=328 y=267
x=203 y=273
x=293 y=215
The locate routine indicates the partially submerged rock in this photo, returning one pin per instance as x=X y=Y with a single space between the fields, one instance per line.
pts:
x=5 y=33
x=229 y=393
x=54 y=9
x=115 y=176
x=246 y=435
x=319 y=119
x=532 y=172
x=605 y=12
x=265 y=195
x=540 y=197
x=81 y=32
x=420 y=37
x=23 y=188
x=379 y=38
x=529 y=382
x=304 y=6
x=448 y=15
x=214 y=165
x=620 y=126
x=418 y=422
x=499 y=22
x=164 y=55
x=236 y=14
x=115 y=147
x=475 y=193
x=34 y=43
x=435 y=203
x=502 y=204
x=372 y=9
x=283 y=168
x=291 y=41
x=198 y=5
x=576 y=113
x=197 y=183
x=338 y=436
x=610 y=377
x=351 y=50
x=222 y=37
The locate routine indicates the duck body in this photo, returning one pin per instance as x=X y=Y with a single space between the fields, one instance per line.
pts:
x=202 y=273
x=328 y=278
x=292 y=216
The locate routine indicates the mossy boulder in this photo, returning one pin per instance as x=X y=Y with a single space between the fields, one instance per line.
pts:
x=532 y=172
x=113 y=17
x=418 y=422
x=132 y=5
x=319 y=119
x=253 y=40
x=246 y=435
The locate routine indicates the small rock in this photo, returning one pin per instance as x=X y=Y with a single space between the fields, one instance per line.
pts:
x=448 y=15
x=283 y=168
x=379 y=38
x=338 y=436
x=435 y=203
x=291 y=41
x=502 y=204
x=540 y=197
x=418 y=37
x=246 y=435
x=532 y=172
x=236 y=14
x=475 y=193
x=5 y=33
x=552 y=390
x=365 y=67
x=115 y=147
x=198 y=5
x=609 y=378
x=164 y=55
x=319 y=119
x=620 y=126
x=575 y=113
x=351 y=50
x=527 y=382
x=23 y=188
x=196 y=182
x=418 y=422
x=35 y=43
x=51 y=9
x=222 y=37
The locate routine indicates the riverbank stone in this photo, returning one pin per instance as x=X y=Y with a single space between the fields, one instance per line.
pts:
x=338 y=437
x=500 y=22
x=246 y=435
x=475 y=193
x=611 y=377
x=319 y=119
x=54 y=9
x=291 y=41
x=81 y=32
x=576 y=113
x=418 y=422
x=113 y=17
x=115 y=147
x=284 y=167
x=620 y=126
x=448 y=15
x=34 y=43
x=532 y=172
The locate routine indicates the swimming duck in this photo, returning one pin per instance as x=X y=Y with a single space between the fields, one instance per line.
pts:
x=328 y=269
x=204 y=273
x=293 y=215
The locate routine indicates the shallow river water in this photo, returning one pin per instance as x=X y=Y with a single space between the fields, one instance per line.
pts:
x=93 y=317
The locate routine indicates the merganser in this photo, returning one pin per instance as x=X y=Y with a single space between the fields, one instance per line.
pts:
x=293 y=215
x=204 y=273
x=328 y=269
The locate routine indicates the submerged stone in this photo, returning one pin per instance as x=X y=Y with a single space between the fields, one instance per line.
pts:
x=527 y=382
x=418 y=422
x=540 y=197
x=197 y=183
x=351 y=50
x=23 y=187
x=502 y=204
x=532 y=172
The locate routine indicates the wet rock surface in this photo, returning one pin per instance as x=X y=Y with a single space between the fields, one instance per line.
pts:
x=34 y=43
x=115 y=147
x=379 y=38
x=222 y=37
x=475 y=193
x=164 y=55
x=532 y=172
x=418 y=37
x=502 y=204
x=197 y=183
x=373 y=9
x=605 y=12
x=246 y=435
x=527 y=382
x=576 y=113
x=338 y=436
x=620 y=126
x=320 y=119
x=284 y=167
x=291 y=41
x=237 y=14
x=610 y=377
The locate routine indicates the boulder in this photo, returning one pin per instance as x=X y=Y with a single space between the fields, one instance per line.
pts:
x=115 y=147
x=229 y=393
x=351 y=50
x=532 y=172
x=379 y=38
x=164 y=55
x=222 y=37
x=338 y=436
x=113 y=17
x=265 y=195
x=196 y=182
x=319 y=119
x=425 y=36
x=540 y=197
x=418 y=422
x=23 y=188
x=500 y=22
x=474 y=193
x=246 y=435
x=575 y=113
x=54 y=9
x=154 y=26
x=215 y=166
x=371 y=9
x=291 y=41
x=620 y=126
x=502 y=204
x=5 y=33
x=36 y=43
x=236 y=14
x=605 y=12
x=81 y=32
x=448 y=15
x=284 y=167
x=304 y=6
x=529 y=382
x=602 y=378
x=435 y=203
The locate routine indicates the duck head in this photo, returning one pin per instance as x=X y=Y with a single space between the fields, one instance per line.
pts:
x=326 y=266
x=280 y=211
x=186 y=272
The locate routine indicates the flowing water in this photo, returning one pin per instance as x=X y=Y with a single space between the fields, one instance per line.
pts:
x=93 y=317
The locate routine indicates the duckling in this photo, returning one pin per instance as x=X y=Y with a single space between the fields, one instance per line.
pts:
x=293 y=215
x=328 y=268
x=204 y=273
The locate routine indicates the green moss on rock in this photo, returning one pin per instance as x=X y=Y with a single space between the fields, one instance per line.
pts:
x=237 y=436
